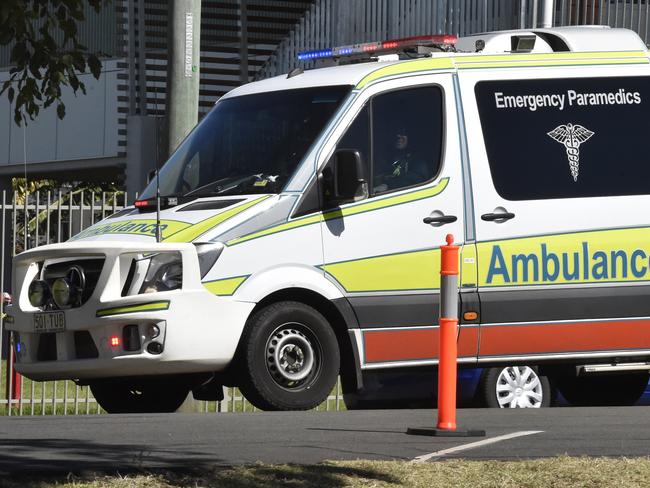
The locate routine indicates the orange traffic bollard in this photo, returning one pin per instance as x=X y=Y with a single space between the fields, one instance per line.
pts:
x=448 y=323
x=448 y=351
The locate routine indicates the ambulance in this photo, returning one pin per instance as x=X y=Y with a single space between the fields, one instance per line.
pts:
x=283 y=244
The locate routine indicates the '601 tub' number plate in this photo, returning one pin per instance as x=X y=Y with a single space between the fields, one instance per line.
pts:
x=49 y=322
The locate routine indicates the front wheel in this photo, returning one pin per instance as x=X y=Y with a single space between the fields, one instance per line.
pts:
x=155 y=395
x=290 y=357
x=514 y=387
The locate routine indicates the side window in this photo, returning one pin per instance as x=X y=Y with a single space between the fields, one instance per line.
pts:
x=407 y=131
x=407 y=136
x=566 y=138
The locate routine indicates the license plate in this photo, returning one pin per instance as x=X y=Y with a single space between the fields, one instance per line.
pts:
x=49 y=322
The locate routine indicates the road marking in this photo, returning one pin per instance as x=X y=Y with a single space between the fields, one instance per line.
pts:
x=474 y=445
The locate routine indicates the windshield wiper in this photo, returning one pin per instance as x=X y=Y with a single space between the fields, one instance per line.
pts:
x=197 y=191
x=259 y=180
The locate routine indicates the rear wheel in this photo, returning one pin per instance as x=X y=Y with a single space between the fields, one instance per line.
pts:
x=514 y=387
x=603 y=390
x=123 y=395
x=290 y=357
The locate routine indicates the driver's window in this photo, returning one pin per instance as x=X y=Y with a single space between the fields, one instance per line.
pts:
x=407 y=129
x=406 y=138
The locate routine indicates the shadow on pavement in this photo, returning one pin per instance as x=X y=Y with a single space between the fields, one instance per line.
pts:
x=83 y=461
x=75 y=456
x=372 y=431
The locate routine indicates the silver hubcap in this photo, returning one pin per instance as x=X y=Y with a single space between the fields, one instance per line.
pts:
x=290 y=356
x=519 y=387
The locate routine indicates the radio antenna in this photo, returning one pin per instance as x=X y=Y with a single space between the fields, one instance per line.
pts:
x=158 y=233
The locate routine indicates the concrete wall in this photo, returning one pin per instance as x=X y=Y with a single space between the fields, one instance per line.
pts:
x=89 y=129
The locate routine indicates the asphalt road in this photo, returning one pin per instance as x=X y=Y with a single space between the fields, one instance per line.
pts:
x=110 y=443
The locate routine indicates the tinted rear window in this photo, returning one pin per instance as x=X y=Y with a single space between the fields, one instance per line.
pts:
x=567 y=138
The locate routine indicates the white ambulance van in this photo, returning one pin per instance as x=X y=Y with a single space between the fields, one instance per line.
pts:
x=292 y=247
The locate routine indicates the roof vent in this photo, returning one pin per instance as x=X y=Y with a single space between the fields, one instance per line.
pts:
x=523 y=43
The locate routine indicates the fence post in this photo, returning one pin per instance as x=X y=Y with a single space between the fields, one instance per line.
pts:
x=447 y=352
x=14 y=380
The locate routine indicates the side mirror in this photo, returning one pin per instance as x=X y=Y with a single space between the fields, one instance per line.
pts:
x=343 y=178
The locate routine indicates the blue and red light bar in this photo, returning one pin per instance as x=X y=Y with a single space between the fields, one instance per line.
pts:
x=382 y=47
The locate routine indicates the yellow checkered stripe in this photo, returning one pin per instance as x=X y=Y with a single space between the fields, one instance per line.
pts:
x=226 y=286
x=415 y=270
x=171 y=230
x=599 y=256
x=365 y=206
x=477 y=61
x=142 y=307
x=200 y=228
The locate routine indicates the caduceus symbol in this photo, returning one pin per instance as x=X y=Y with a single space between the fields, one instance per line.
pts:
x=571 y=136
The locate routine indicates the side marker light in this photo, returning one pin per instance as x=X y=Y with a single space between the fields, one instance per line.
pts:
x=470 y=316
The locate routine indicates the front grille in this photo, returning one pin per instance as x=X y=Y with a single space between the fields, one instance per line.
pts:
x=46 y=347
x=84 y=345
x=91 y=268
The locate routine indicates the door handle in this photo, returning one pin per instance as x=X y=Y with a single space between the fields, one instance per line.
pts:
x=440 y=219
x=497 y=217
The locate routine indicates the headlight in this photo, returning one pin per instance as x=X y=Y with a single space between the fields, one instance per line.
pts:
x=61 y=292
x=39 y=293
x=165 y=273
x=69 y=290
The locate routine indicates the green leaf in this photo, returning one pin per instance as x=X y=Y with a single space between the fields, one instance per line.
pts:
x=95 y=66
x=5 y=86
x=74 y=83
x=46 y=54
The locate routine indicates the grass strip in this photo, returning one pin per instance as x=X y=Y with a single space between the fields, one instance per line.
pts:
x=558 y=472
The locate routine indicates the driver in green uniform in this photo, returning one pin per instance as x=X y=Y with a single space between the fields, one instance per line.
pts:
x=403 y=168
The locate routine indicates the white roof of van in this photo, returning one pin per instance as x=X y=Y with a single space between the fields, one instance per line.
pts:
x=586 y=38
x=577 y=39
x=350 y=74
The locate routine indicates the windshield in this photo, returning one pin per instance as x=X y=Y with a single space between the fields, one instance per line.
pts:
x=248 y=144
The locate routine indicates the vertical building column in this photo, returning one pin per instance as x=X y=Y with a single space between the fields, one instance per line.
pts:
x=183 y=69
x=547 y=14
x=243 y=48
x=131 y=54
x=142 y=60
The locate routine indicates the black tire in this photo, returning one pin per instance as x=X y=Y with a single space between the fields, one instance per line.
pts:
x=290 y=357
x=527 y=388
x=123 y=395
x=602 y=390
